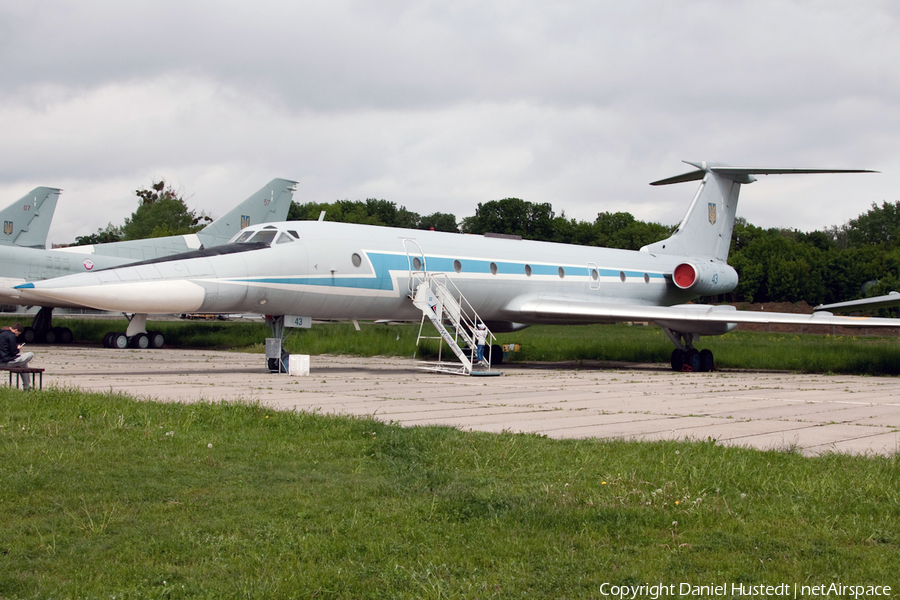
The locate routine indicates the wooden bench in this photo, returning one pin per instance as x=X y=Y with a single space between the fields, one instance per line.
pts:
x=20 y=372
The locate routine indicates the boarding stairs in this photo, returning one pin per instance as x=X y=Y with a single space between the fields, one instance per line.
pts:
x=453 y=317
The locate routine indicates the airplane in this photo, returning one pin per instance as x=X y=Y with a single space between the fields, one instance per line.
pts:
x=20 y=265
x=327 y=270
x=26 y=221
x=271 y=203
x=889 y=300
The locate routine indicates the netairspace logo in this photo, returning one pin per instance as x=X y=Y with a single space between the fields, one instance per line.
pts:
x=782 y=590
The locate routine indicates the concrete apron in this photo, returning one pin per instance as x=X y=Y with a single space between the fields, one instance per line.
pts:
x=767 y=410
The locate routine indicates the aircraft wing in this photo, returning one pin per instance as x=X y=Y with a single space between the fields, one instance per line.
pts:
x=682 y=317
x=887 y=301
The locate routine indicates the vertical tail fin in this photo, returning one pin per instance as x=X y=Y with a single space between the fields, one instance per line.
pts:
x=270 y=204
x=26 y=221
x=707 y=226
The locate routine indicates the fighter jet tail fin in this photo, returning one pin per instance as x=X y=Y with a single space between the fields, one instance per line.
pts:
x=26 y=221
x=270 y=204
x=706 y=228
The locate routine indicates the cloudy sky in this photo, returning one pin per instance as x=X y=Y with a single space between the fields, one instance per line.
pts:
x=440 y=105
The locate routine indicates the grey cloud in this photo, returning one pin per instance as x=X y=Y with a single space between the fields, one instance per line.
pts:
x=346 y=55
x=436 y=104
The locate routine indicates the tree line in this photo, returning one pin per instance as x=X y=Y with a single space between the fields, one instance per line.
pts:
x=859 y=258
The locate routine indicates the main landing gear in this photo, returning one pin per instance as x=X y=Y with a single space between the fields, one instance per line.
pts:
x=687 y=358
x=693 y=360
x=43 y=332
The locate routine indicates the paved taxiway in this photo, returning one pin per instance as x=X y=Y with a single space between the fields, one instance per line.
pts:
x=813 y=413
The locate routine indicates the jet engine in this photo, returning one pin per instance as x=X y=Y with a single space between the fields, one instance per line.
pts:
x=705 y=278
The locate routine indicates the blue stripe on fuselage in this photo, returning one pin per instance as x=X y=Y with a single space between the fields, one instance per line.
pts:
x=384 y=264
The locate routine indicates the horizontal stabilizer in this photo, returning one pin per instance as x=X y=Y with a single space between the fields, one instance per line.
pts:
x=770 y=171
x=692 y=176
x=744 y=174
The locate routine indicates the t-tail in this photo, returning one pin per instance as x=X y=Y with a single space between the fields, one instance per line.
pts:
x=706 y=228
x=26 y=221
x=268 y=205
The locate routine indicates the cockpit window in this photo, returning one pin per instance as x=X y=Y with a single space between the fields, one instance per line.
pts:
x=265 y=236
x=241 y=237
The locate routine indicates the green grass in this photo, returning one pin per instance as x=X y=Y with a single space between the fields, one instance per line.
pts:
x=870 y=355
x=186 y=334
x=105 y=497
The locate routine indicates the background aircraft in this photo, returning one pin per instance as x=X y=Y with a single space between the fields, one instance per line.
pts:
x=332 y=270
x=271 y=203
x=26 y=221
x=20 y=265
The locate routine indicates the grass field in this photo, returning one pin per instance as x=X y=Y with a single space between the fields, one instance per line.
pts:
x=104 y=497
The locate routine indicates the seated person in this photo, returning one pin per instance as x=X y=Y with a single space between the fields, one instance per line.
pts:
x=9 y=351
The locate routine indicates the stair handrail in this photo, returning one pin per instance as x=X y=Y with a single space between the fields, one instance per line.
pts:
x=448 y=293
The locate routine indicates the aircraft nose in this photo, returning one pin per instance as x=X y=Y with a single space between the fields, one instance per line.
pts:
x=88 y=289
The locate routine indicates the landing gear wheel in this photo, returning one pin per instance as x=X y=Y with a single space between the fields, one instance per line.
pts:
x=157 y=339
x=66 y=336
x=51 y=336
x=141 y=341
x=677 y=359
x=496 y=354
x=107 y=339
x=118 y=341
x=692 y=359
x=707 y=363
x=28 y=335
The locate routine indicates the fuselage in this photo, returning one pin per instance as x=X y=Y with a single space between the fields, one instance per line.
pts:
x=328 y=270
